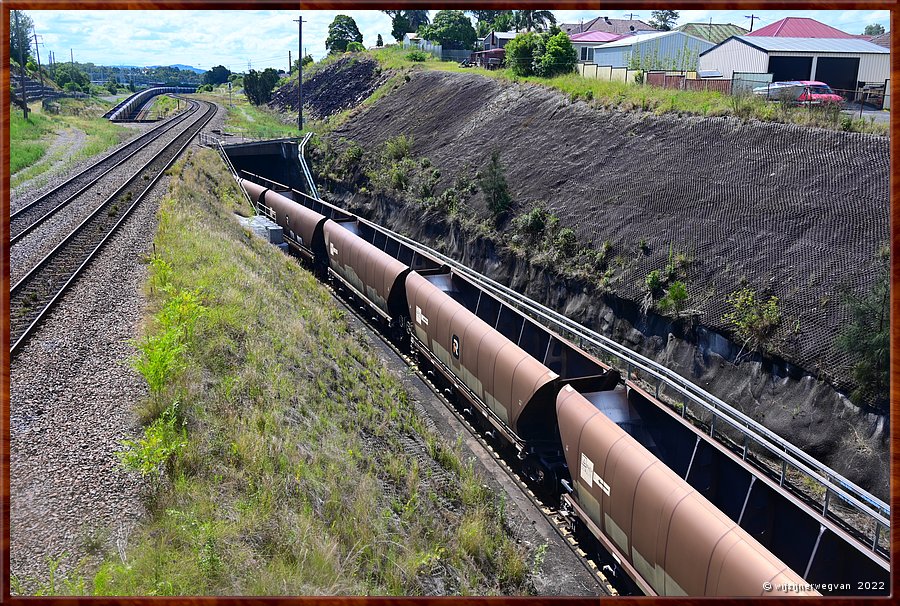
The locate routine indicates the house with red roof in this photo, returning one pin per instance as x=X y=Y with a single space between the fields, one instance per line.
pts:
x=800 y=27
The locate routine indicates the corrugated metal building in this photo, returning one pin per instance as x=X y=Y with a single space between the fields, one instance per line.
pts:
x=656 y=50
x=714 y=32
x=840 y=62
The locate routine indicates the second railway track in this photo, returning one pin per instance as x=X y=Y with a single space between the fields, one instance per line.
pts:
x=24 y=220
x=33 y=295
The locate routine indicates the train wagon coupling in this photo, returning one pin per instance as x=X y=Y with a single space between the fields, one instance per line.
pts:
x=766 y=494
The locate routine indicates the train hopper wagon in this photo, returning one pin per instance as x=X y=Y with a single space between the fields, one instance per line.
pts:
x=373 y=274
x=671 y=539
x=505 y=365
x=822 y=549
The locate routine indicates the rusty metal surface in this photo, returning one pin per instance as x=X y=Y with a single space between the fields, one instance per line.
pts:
x=676 y=539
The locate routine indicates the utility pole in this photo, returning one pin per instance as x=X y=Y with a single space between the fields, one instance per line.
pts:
x=72 y=57
x=299 y=21
x=290 y=65
x=38 y=52
x=631 y=16
x=21 y=65
x=752 y=19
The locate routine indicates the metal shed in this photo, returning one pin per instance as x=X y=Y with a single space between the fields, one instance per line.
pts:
x=654 y=50
x=840 y=62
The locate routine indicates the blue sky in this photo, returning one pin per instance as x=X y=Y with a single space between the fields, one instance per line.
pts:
x=262 y=38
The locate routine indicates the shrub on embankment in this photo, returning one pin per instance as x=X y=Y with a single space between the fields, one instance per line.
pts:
x=281 y=443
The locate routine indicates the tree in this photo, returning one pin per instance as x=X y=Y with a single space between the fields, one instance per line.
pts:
x=307 y=59
x=355 y=47
x=492 y=21
x=342 y=32
x=520 y=53
x=663 y=20
x=450 y=29
x=217 y=75
x=67 y=74
x=258 y=86
x=20 y=36
x=867 y=338
x=379 y=42
x=400 y=27
x=492 y=182
x=559 y=56
x=112 y=86
x=532 y=20
x=876 y=29
x=416 y=19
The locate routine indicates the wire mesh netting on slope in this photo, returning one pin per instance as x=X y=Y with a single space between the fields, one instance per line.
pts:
x=794 y=212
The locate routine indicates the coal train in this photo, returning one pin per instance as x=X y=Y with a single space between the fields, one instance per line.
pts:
x=670 y=511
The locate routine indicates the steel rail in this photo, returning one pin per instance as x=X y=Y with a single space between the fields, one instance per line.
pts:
x=131 y=148
x=19 y=290
x=835 y=484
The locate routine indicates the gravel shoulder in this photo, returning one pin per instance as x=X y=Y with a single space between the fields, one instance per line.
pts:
x=72 y=397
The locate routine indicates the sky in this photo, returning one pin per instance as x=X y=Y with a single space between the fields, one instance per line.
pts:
x=258 y=39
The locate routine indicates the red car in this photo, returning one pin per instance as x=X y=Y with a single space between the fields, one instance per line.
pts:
x=800 y=91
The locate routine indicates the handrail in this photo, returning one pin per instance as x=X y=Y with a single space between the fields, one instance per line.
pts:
x=782 y=450
x=309 y=178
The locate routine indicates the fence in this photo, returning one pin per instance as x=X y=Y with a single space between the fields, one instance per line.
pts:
x=607 y=73
x=455 y=55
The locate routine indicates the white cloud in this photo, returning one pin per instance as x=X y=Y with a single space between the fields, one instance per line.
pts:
x=205 y=38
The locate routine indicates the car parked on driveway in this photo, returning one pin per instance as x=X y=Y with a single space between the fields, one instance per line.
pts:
x=799 y=91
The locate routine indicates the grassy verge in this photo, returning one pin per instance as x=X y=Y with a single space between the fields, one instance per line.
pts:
x=31 y=139
x=618 y=95
x=278 y=443
x=164 y=105
x=27 y=139
x=251 y=121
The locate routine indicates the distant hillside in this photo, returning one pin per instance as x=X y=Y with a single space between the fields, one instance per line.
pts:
x=188 y=68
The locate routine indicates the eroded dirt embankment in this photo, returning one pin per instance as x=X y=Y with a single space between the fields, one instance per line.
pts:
x=793 y=212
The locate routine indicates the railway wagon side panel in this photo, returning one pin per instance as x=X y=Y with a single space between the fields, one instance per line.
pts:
x=372 y=272
x=674 y=538
x=254 y=190
x=490 y=365
x=299 y=222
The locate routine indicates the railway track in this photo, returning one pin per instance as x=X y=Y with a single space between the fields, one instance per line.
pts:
x=24 y=220
x=36 y=293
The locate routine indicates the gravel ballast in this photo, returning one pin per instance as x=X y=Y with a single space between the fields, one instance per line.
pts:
x=72 y=402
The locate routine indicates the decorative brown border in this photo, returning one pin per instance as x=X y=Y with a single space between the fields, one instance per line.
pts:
x=461 y=4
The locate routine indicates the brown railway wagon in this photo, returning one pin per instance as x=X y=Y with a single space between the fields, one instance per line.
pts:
x=301 y=225
x=501 y=374
x=374 y=274
x=675 y=540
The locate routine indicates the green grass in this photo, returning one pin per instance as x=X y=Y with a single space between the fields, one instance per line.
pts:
x=165 y=105
x=251 y=121
x=27 y=139
x=30 y=140
x=277 y=436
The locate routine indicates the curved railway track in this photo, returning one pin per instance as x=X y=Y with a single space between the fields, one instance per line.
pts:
x=24 y=220
x=36 y=293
